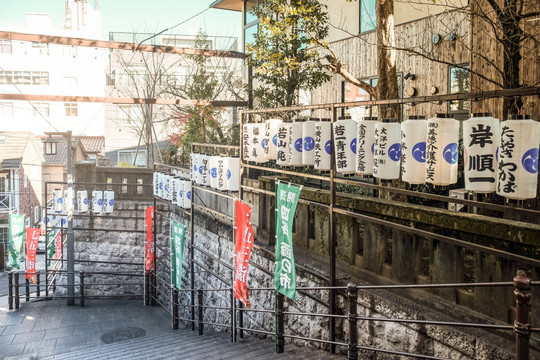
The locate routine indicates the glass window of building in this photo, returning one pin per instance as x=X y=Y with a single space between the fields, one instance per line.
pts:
x=368 y=18
x=459 y=82
x=70 y=109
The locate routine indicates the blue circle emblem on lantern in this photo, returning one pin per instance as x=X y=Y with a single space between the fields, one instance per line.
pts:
x=450 y=153
x=373 y=148
x=181 y=193
x=530 y=160
x=419 y=152
x=353 y=145
x=213 y=173
x=263 y=143
x=309 y=143
x=188 y=195
x=100 y=202
x=394 y=152
x=228 y=174
x=200 y=169
x=328 y=147
x=85 y=201
x=274 y=139
x=298 y=144
x=59 y=200
x=195 y=167
x=111 y=202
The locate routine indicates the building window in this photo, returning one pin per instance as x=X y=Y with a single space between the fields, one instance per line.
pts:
x=251 y=23
x=40 y=48
x=6 y=109
x=50 y=147
x=70 y=81
x=69 y=50
x=4 y=233
x=41 y=109
x=458 y=82
x=128 y=156
x=70 y=109
x=37 y=214
x=3 y=184
x=368 y=19
x=24 y=77
x=5 y=46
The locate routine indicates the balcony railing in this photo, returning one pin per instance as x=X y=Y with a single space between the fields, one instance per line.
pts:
x=6 y=199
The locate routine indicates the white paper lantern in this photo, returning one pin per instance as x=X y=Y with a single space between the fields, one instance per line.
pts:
x=175 y=187
x=97 y=201
x=56 y=221
x=480 y=143
x=308 y=143
x=82 y=201
x=108 y=201
x=270 y=138
x=442 y=150
x=221 y=180
x=213 y=171
x=187 y=195
x=518 y=158
x=155 y=182
x=257 y=143
x=365 y=146
x=62 y=221
x=57 y=200
x=232 y=171
x=161 y=185
x=345 y=145
x=247 y=140
x=194 y=165
x=283 y=144
x=181 y=194
x=387 y=150
x=167 y=194
x=66 y=201
x=323 y=146
x=413 y=150
x=296 y=144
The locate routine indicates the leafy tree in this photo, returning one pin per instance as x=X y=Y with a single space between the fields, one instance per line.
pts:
x=282 y=54
x=207 y=79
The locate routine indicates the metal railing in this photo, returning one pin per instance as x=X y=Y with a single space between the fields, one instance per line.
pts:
x=521 y=328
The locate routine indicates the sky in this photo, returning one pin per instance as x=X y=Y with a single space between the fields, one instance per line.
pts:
x=134 y=16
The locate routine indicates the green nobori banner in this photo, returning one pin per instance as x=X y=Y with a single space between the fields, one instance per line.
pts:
x=178 y=234
x=16 y=235
x=287 y=196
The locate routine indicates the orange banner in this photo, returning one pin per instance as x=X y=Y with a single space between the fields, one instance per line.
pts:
x=243 y=235
x=32 y=239
x=149 y=259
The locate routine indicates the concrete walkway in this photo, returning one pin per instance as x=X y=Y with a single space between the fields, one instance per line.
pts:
x=53 y=330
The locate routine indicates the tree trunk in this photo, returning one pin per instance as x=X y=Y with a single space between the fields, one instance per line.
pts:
x=387 y=86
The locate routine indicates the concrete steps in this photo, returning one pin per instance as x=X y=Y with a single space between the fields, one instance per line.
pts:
x=187 y=344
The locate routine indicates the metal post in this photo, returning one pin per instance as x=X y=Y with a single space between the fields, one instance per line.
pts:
x=153 y=290
x=279 y=324
x=70 y=246
x=233 y=318
x=38 y=291
x=192 y=250
x=332 y=242
x=352 y=298
x=81 y=288
x=146 y=288
x=16 y=275
x=200 y=310
x=10 y=290
x=175 y=308
x=241 y=320
x=522 y=293
x=27 y=288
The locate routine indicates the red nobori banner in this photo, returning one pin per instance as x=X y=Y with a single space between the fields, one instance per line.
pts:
x=32 y=238
x=58 y=246
x=243 y=235
x=149 y=250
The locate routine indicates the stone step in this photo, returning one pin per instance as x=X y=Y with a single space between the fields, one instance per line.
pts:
x=187 y=344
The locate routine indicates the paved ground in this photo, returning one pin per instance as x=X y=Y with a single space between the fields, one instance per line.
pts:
x=53 y=330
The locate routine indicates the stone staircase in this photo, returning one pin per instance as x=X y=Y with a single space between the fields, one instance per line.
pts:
x=187 y=344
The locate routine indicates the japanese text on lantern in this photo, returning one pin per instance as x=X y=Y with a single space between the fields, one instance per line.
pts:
x=341 y=157
x=360 y=148
x=431 y=149
x=481 y=162
x=507 y=176
x=254 y=141
x=283 y=133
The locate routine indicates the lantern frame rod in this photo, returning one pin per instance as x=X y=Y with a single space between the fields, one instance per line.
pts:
x=525 y=91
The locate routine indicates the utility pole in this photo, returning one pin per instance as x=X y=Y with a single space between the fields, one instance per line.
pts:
x=70 y=246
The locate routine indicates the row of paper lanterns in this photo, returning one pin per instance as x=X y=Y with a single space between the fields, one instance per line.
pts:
x=218 y=172
x=173 y=188
x=102 y=201
x=499 y=156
